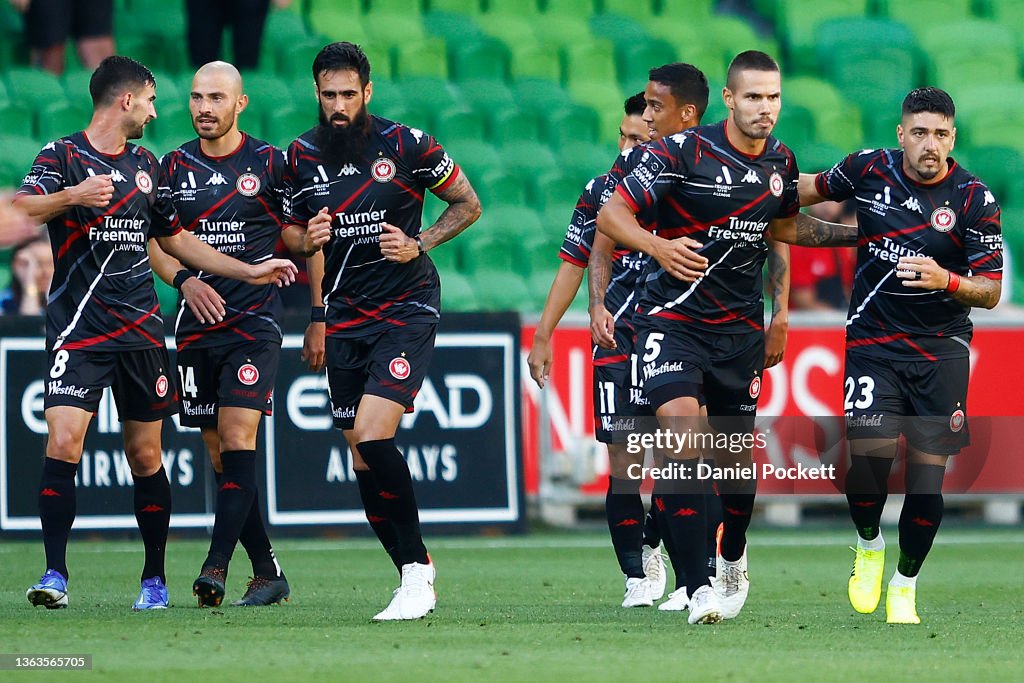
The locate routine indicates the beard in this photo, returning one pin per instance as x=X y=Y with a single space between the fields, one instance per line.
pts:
x=342 y=145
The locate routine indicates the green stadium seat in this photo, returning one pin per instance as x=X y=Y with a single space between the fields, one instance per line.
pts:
x=514 y=8
x=387 y=93
x=492 y=248
x=819 y=157
x=332 y=23
x=998 y=167
x=502 y=291
x=562 y=30
x=988 y=128
x=973 y=53
x=407 y=7
x=34 y=88
x=59 y=119
x=911 y=12
x=468 y=7
x=538 y=284
x=316 y=7
x=509 y=126
x=606 y=100
x=629 y=8
x=732 y=35
x=451 y=26
x=456 y=124
x=635 y=60
x=592 y=62
x=171 y=128
x=76 y=87
x=555 y=191
x=583 y=160
x=537 y=95
x=532 y=61
x=836 y=121
x=516 y=224
x=618 y=28
x=567 y=125
x=266 y=92
x=446 y=256
x=295 y=60
x=795 y=127
x=528 y=158
x=515 y=31
x=486 y=94
x=836 y=37
x=430 y=93
x=486 y=58
x=457 y=293
x=418 y=58
x=798 y=22
x=16 y=119
x=500 y=188
x=569 y=8
x=877 y=79
x=475 y=157
x=19 y=153
x=283 y=125
x=685 y=10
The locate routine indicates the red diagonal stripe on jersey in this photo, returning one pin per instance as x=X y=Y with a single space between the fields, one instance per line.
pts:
x=730 y=315
x=981 y=261
x=129 y=326
x=129 y=323
x=409 y=190
x=871 y=341
x=78 y=232
x=372 y=314
x=191 y=227
x=355 y=195
x=893 y=233
x=610 y=360
x=921 y=351
x=110 y=210
x=270 y=212
x=226 y=323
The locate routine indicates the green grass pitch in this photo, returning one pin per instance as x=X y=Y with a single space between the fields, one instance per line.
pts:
x=537 y=608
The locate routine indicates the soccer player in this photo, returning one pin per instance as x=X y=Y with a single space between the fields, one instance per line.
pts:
x=102 y=198
x=639 y=554
x=699 y=320
x=929 y=248
x=227 y=190
x=358 y=183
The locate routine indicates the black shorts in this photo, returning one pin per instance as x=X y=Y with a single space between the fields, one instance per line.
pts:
x=924 y=400
x=390 y=364
x=676 y=360
x=231 y=375
x=51 y=22
x=140 y=379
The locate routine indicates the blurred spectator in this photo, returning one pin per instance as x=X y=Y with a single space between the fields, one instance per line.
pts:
x=31 y=272
x=207 y=20
x=821 y=279
x=15 y=226
x=49 y=24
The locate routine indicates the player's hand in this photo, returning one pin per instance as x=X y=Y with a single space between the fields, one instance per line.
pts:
x=318 y=232
x=921 y=272
x=314 y=346
x=203 y=300
x=95 y=191
x=396 y=246
x=775 y=341
x=679 y=259
x=278 y=271
x=602 y=327
x=539 y=360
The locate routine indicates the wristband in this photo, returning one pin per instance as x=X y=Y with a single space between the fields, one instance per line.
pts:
x=318 y=314
x=180 y=277
x=419 y=245
x=954 y=282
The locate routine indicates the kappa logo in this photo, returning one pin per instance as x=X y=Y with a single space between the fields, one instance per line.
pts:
x=50 y=145
x=956 y=421
x=162 y=385
x=248 y=374
x=943 y=219
x=383 y=170
x=144 y=182
x=349 y=170
x=775 y=184
x=248 y=185
x=755 y=387
x=751 y=177
x=417 y=134
x=989 y=199
x=216 y=179
x=912 y=204
x=399 y=368
x=117 y=176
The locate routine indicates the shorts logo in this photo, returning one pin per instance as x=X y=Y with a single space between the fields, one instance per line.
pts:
x=383 y=170
x=755 y=387
x=248 y=185
x=775 y=184
x=956 y=421
x=143 y=182
x=399 y=368
x=248 y=374
x=161 y=386
x=943 y=219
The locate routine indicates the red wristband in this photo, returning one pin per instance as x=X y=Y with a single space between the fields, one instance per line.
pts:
x=954 y=282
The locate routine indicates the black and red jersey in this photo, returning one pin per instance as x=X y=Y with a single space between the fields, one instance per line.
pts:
x=706 y=189
x=363 y=292
x=234 y=204
x=102 y=296
x=954 y=221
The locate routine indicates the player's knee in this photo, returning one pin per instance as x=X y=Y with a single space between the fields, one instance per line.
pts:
x=143 y=457
x=64 y=446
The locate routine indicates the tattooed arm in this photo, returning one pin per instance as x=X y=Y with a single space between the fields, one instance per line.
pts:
x=602 y=324
x=976 y=291
x=778 y=287
x=463 y=210
x=808 y=231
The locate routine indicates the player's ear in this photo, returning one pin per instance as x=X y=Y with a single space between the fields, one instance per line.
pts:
x=126 y=100
x=952 y=143
x=368 y=92
x=242 y=103
x=899 y=134
x=689 y=113
x=727 y=98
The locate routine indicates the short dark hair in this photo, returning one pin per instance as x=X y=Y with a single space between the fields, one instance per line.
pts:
x=930 y=100
x=341 y=56
x=116 y=74
x=751 y=60
x=635 y=105
x=687 y=83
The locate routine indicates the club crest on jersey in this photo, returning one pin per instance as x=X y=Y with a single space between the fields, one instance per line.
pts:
x=161 y=386
x=383 y=170
x=247 y=185
x=943 y=219
x=248 y=374
x=144 y=182
x=775 y=184
x=956 y=421
x=399 y=368
x=755 y=387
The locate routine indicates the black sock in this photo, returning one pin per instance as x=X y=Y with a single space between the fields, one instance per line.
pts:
x=713 y=517
x=392 y=474
x=867 y=487
x=257 y=544
x=235 y=495
x=625 y=512
x=377 y=514
x=737 y=509
x=683 y=518
x=658 y=506
x=57 y=510
x=921 y=515
x=652 y=534
x=153 y=513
